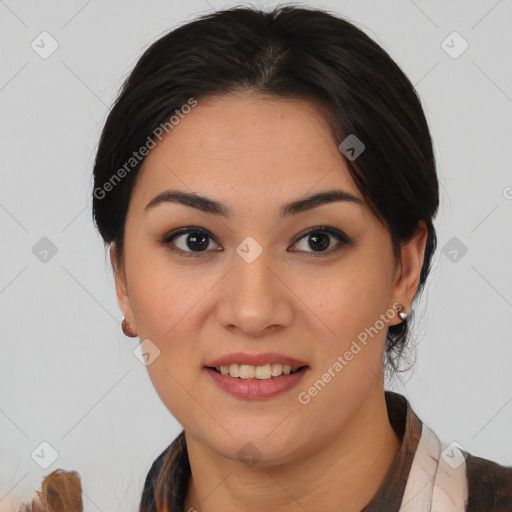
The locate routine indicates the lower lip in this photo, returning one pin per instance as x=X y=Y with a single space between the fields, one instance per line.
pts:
x=254 y=389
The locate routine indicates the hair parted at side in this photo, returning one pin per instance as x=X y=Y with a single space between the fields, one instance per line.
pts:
x=289 y=52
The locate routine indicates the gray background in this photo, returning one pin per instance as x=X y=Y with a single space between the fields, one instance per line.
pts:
x=69 y=377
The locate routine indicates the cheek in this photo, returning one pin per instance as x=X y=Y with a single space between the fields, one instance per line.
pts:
x=167 y=300
x=349 y=301
x=165 y=306
x=162 y=294
x=346 y=298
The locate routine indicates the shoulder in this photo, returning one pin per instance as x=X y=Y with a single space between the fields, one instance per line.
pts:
x=489 y=485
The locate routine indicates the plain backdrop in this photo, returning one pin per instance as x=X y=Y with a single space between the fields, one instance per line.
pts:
x=68 y=376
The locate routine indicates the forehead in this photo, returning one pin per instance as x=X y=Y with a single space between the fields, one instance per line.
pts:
x=247 y=144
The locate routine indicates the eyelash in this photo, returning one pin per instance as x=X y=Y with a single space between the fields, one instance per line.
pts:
x=342 y=238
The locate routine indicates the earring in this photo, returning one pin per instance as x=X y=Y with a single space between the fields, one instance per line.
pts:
x=127 y=330
x=402 y=314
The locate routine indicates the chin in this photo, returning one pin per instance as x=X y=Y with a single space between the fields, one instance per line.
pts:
x=259 y=446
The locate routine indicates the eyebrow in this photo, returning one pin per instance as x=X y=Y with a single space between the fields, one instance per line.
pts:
x=208 y=205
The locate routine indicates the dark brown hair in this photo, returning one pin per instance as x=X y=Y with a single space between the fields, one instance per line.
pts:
x=289 y=52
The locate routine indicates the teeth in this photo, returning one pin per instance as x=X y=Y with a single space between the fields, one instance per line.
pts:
x=232 y=370
x=263 y=372
x=277 y=369
x=247 y=371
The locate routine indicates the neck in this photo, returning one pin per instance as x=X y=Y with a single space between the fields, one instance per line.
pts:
x=348 y=470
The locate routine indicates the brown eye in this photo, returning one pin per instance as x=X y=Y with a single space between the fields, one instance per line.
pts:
x=189 y=241
x=320 y=240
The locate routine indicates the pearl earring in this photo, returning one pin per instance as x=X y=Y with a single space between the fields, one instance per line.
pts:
x=402 y=314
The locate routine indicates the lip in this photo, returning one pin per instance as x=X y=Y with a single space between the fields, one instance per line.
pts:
x=256 y=359
x=254 y=389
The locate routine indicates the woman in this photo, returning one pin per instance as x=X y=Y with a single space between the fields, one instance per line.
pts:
x=267 y=187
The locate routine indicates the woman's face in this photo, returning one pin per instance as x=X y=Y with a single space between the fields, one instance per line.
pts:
x=253 y=281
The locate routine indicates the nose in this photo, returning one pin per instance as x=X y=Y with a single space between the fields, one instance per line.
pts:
x=255 y=297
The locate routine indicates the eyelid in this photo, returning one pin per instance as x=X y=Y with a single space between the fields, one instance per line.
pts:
x=340 y=236
x=337 y=233
x=167 y=240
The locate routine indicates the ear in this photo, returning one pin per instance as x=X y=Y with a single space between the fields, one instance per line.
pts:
x=123 y=299
x=408 y=280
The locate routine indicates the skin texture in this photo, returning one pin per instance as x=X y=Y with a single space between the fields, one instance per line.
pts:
x=253 y=153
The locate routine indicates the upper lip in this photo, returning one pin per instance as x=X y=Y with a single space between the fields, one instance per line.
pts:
x=256 y=360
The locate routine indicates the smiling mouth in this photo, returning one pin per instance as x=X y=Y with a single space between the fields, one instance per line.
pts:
x=249 y=372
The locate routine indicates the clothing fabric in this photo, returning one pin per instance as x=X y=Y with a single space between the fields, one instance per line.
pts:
x=424 y=475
